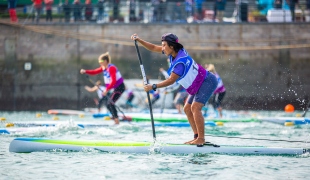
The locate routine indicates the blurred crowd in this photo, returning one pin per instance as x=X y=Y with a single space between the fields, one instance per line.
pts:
x=103 y=11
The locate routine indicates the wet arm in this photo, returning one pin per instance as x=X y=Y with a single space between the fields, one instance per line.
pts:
x=172 y=79
x=112 y=71
x=149 y=46
x=94 y=71
x=91 y=89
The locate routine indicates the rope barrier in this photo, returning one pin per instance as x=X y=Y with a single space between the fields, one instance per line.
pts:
x=202 y=47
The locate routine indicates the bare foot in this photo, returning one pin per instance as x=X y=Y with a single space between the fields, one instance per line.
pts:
x=116 y=121
x=189 y=142
x=198 y=141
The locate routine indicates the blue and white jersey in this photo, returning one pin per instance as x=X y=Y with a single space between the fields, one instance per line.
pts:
x=107 y=77
x=193 y=74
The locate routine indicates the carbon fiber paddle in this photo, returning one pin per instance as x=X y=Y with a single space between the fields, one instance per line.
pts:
x=145 y=83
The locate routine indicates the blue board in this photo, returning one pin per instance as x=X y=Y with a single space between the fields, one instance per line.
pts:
x=100 y=115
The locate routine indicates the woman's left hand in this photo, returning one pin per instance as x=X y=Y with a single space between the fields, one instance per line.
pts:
x=105 y=93
x=147 y=87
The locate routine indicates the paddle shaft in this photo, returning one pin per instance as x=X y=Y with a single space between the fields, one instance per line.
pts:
x=145 y=83
x=306 y=110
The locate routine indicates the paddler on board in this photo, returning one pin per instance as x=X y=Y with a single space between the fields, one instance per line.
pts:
x=198 y=82
x=113 y=80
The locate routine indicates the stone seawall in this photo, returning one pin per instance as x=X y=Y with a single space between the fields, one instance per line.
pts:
x=263 y=66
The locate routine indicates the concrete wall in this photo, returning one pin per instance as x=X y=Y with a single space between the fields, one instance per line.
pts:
x=255 y=75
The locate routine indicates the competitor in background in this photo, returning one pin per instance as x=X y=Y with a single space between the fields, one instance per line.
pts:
x=130 y=97
x=197 y=81
x=220 y=91
x=99 y=89
x=112 y=78
x=155 y=95
x=181 y=95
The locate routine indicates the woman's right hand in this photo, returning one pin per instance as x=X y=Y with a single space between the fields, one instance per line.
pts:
x=82 y=71
x=134 y=37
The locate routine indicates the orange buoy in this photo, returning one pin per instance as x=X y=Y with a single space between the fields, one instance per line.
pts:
x=289 y=108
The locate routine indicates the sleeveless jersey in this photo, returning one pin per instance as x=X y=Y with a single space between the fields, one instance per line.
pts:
x=194 y=74
x=220 y=86
x=107 y=77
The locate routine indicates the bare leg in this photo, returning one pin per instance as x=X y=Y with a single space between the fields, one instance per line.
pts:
x=220 y=111
x=190 y=117
x=199 y=121
x=178 y=107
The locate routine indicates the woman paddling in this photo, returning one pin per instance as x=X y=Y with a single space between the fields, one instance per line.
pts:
x=112 y=78
x=219 y=92
x=198 y=82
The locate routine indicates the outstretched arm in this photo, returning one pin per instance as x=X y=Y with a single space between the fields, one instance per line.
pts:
x=91 y=72
x=91 y=89
x=149 y=46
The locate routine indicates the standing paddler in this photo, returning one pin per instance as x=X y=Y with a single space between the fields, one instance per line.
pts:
x=197 y=81
x=113 y=80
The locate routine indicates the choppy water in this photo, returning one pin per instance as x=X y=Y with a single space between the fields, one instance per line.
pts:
x=99 y=165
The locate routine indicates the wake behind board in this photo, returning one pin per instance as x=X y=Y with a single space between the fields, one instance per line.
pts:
x=23 y=130
x=27 y=145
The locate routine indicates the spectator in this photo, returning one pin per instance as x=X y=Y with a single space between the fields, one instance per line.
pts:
x=132 y=10
x=48 y=8
x=67 y=11
x=278 y=4
x=12 y=10
x=177 y=15
x=77 y=8
x=141 y=15
x=115 y=10
x=308 y=11
x=219 y=8
x=189 y=8
x=161 y=11
x=155 y=4
x=88 y=10
x=100 y=7
x=199 y=9
x=292 y=4
x=38 y=9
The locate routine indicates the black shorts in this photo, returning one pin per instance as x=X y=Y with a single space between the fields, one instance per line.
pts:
x=217 y=99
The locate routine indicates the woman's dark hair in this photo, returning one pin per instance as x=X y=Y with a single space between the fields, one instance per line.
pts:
x=176 y=46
